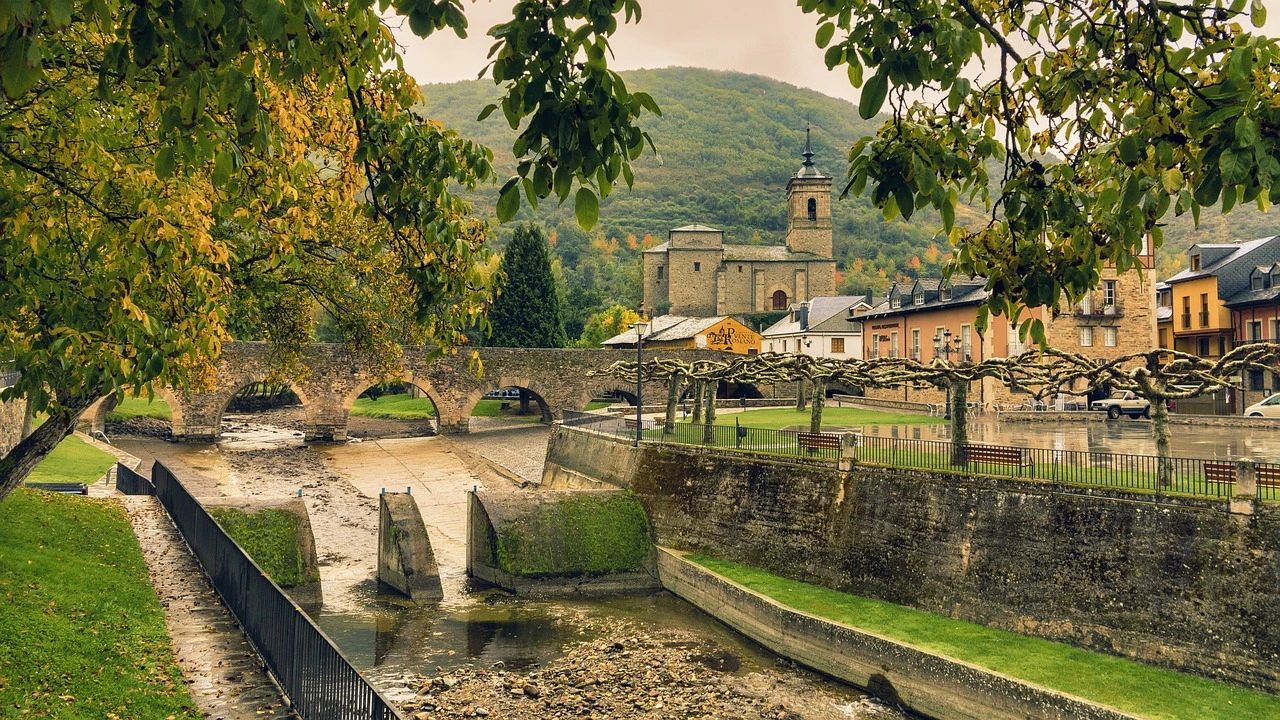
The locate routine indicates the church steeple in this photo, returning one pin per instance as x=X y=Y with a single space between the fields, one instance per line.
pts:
x=807 y=169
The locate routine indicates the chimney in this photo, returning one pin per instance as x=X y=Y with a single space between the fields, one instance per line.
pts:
x=871 y=297
x=802 y=315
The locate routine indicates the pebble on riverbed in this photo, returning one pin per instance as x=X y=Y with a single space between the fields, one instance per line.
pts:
x=629 y=673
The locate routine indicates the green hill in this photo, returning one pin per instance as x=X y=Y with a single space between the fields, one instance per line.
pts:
x=727 y=143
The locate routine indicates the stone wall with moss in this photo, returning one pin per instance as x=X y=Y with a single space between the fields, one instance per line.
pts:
x=278 y=539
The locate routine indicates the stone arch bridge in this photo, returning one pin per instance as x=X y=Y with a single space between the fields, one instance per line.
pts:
x=556 y=378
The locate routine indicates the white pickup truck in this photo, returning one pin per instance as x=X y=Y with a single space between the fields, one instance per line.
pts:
x=1123 y=403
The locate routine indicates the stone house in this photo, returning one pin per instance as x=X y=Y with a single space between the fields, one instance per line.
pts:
x=677 y=332
x=696 y=274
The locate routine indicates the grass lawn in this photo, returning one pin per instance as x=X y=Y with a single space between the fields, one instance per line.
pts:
x=493 y=408
x=271 y=539
x=778 y=418
x=595 y=406
x=82 y=634
x=73 y=460
x=1122 y=684
x=395 y=407
x=131 y=407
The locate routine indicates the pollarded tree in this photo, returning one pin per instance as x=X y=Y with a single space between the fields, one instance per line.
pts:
x=526 y=312
x=1104 y=116
x=172 y=173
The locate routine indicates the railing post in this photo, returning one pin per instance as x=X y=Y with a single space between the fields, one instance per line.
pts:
x=1246 y=490
x=848 y=451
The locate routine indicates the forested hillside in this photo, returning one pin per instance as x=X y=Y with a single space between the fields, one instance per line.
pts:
x=727 y=143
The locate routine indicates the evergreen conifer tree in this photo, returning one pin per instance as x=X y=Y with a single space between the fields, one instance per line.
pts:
x=527 y=313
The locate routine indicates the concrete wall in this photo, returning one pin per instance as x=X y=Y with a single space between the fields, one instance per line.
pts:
x=927 y=683
x=1180 y=583
x=406 y=562
x=578 y=459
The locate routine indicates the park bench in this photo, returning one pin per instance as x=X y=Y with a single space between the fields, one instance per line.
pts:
x=1224 y=471
x=818 y=441
x=68 y=488
x=999 y=455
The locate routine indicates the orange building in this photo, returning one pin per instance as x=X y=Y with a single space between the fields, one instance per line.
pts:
x=676 y=332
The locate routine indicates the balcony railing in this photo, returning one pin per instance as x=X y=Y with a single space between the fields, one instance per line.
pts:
x=1186 y=320
x=1204 y=318
x=1097 y=307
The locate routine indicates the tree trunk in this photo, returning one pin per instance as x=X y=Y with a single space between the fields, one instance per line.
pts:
x=959 y=420
x=800 y=398
x=819 y=399
x=524 y=401
x=699 y=386
x=1160 y=428
x=23 y=458
x=709 y=416
x=674 y=384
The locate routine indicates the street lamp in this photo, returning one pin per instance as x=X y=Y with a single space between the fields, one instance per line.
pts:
x=942 y=347
x=641 y=328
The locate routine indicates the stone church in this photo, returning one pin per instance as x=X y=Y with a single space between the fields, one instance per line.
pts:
x=695 y=273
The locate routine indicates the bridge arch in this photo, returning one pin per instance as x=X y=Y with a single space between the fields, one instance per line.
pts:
x=94 y=419
x=360 y=388
x=539 y=392
x=224 y=395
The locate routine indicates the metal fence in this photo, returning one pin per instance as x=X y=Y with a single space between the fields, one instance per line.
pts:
x=1190 y=476
x=131 y=483
x=320 y=683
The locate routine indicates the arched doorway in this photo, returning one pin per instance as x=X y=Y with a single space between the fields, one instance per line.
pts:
x=780 y=300
x=396 y=409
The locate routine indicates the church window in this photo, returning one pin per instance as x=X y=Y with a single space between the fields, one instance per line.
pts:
x=697 y=267
x=780 y=300
x=739 y=268
x=813 y=209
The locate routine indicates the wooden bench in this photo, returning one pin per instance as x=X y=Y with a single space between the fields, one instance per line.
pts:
x=818 y=441
x=67 y=488
x=1224 y=471
x=999 y=455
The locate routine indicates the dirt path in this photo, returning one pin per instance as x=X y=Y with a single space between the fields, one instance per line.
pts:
x=223 y=673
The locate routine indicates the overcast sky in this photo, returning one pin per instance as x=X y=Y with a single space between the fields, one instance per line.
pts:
x=762 y=37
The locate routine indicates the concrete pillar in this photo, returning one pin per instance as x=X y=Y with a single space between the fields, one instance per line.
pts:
x=848 y=451
x=406 y=562
x=1246 y=479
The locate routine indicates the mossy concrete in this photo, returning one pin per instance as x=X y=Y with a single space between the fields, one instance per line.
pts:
x=277 y=536
x=406 y=562
x=549 y=543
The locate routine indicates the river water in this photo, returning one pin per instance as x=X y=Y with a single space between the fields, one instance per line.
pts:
x=396 y=642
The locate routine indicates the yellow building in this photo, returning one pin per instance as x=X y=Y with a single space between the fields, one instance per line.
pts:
x=1201 y=321
x=676 y=332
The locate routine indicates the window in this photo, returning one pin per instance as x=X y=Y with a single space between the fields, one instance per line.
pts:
x=1195 y=261
x=945 y=294
x=966 y=343
x=1086 y=305
x=1086 y=337
x=1186 y=312
x=893 y=344
x=1108 y=293
x=780 y=300
x=1204 y=309
x=1109 y=336
x=895 y=302
x=837 y=346
x=1164 y=337
x=813 y=209
x=697 y=267
x=1256 y=380
x=739 y=268
x=661 y=270
x=918 y=298
x=1275 y=330
x=1015 y=343
x=1255 y=330
x=1255 y=283
x=1202 y=347
x=915 y=344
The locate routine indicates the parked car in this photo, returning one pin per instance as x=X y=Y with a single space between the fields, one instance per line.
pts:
x=1267 y=408
x=1123 y=402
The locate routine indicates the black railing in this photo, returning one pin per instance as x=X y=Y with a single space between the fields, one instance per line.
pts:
x=319 y=681
x=131 y=483
x=1188 y=476
x=1268 y=475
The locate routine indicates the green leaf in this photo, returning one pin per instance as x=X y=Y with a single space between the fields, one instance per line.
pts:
x=1129 y=149
x=1235 y=165
x=164 y=163
x=59 y=13
x=486 y=112
x=824 y=34
x=509 y=200
x=873 y=94
x=222 y=168
x=1258 y=13
x=1172 y=180
x=586 y=207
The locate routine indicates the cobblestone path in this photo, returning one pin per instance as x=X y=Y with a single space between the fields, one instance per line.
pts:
x=225 y=676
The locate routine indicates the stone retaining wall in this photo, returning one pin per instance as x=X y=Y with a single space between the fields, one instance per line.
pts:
x=879 y=404
x=927 y=683
x=1182 y=583
x=15 y=424
x=1084 y=416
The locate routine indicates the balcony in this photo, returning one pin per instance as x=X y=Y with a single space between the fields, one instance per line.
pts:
x=1186 y=321
x=1204 y=318
x=1095 y=307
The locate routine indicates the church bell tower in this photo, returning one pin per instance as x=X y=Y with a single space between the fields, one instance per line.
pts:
x=809 y=207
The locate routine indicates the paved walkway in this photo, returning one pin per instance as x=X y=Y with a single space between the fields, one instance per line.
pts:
x=519 y=448
x=223 y=673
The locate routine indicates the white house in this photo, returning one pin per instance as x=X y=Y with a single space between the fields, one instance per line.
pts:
x=820 y=328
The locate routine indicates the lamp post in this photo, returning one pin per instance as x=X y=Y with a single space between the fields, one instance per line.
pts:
x=640 y=328
x=942 y=347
